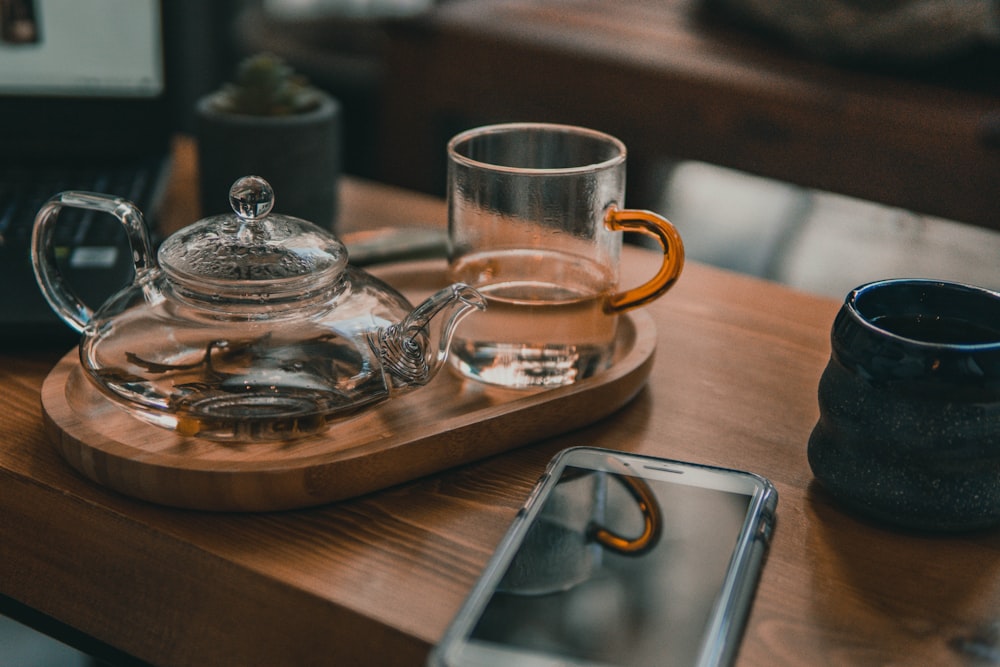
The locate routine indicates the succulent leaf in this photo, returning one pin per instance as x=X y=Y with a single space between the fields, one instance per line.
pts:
x=267 y=86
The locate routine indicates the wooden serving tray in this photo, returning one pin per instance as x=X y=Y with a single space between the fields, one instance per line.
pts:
x=449 y=422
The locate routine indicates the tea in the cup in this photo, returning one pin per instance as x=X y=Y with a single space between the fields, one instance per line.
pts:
x=943 y=329
x=544 y=323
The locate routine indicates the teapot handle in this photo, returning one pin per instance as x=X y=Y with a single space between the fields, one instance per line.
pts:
x=57 y=292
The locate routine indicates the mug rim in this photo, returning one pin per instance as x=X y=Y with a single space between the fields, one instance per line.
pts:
x=554 y=128
x=854 y=309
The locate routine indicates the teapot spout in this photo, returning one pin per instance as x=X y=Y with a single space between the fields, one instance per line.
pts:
x=413 y=351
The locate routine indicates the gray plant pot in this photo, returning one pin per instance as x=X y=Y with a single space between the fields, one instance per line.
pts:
x=299 y=155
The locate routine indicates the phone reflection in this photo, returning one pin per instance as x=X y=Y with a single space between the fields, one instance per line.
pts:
x=617 y=570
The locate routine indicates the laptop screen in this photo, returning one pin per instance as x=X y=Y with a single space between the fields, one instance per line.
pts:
x=105 y=48
x=82 y=80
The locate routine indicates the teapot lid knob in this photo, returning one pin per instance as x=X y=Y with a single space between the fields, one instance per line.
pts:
x=251 y=197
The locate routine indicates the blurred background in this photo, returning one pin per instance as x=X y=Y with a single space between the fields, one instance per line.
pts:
x=818 y=144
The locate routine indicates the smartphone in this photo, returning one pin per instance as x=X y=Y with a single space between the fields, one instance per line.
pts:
x=619 y=559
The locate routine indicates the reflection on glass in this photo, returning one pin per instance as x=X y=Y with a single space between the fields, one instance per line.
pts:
x=567 y=594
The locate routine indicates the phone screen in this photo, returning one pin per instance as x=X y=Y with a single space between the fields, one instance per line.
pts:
x=648 y=593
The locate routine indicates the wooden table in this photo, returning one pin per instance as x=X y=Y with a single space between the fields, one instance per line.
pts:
x=673 y=83
x=375 y=580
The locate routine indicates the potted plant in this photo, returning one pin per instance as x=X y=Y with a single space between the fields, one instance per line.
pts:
x=271 y=122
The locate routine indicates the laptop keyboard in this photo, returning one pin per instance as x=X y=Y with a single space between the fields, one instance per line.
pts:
x=23 y=192
x=91 y=247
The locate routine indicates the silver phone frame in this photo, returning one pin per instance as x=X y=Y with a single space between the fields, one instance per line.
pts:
x=728 y=618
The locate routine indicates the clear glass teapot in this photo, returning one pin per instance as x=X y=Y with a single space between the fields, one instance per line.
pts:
x=247 y=326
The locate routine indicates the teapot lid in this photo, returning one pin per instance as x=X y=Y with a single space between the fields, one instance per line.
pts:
x=250 y=253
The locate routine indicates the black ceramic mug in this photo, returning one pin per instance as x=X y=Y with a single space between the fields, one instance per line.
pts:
x=909 y=426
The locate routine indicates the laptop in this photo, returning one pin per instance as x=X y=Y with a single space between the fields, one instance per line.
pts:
x=83 y=106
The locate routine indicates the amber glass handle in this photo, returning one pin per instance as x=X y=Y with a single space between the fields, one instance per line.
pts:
x=652 y=521
x=658 y=227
